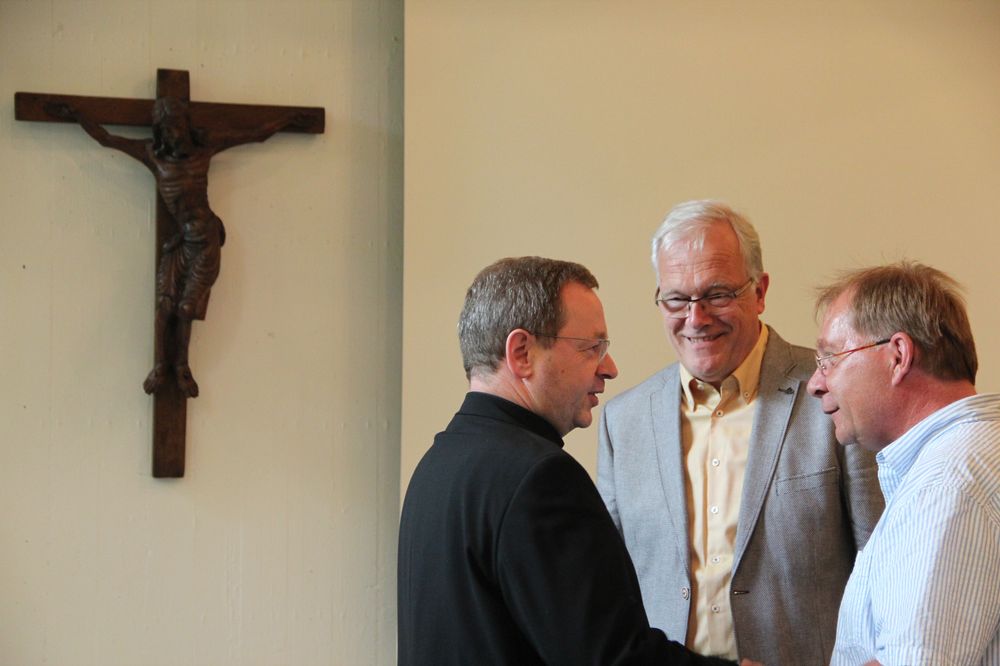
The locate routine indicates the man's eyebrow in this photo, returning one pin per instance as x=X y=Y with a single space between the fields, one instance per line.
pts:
x=715 y=286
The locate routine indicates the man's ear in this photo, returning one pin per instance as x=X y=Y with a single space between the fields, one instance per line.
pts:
x=904 y=356
x=518 y=352
x=760 y=291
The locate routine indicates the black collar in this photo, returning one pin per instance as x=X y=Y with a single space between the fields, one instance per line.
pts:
x=492 y=406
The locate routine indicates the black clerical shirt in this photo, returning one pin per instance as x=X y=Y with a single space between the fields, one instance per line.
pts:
x=507 y=554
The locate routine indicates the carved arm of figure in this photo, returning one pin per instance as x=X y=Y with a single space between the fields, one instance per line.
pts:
x=292 y=119
x=133 y=147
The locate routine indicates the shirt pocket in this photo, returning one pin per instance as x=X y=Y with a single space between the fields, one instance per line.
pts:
x=802 y=482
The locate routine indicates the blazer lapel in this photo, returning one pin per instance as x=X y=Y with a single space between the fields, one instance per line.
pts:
x=776 y=394
x=664 y=406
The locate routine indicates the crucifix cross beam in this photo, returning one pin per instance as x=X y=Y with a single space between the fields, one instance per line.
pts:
x=189 y=235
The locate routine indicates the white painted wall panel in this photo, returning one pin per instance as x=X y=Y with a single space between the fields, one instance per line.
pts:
x=850 y=132
x=278 y=547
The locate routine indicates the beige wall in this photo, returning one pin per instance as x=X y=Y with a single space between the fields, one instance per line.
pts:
x=850 y=132
x=279 y=545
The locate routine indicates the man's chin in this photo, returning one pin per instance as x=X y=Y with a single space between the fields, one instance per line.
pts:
x=843 y=437
x=706 y=372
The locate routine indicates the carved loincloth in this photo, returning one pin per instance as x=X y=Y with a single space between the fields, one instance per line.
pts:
x=187 y=272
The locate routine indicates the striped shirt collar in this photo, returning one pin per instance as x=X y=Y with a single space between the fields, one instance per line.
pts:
x=896 y=459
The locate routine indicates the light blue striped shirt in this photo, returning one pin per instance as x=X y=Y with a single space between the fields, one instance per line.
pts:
x=926 y=588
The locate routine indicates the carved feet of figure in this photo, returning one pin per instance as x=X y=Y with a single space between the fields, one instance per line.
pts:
x=158 y=376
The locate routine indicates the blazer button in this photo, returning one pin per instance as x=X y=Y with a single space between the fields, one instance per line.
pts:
x=686 y=592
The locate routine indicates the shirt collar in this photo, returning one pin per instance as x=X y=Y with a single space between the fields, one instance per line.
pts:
x=746 y=376
x=896 y=459
x=493 y=406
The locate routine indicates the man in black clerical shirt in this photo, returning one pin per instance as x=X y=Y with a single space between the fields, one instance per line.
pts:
x=506 y=552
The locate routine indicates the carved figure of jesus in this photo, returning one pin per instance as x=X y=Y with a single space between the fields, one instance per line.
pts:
x=178 y=155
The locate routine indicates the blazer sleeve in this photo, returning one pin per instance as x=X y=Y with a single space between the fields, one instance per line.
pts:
x=567 y=578
x=862 y=492
x=606 y=470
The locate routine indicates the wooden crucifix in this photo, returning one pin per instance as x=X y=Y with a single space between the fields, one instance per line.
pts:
x=189 y=235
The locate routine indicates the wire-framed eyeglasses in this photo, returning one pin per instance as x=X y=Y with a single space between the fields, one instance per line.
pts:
x=678 y=307
x=825 y=362
x=598 y=346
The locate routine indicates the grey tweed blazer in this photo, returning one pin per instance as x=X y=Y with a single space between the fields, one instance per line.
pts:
x=808 y=506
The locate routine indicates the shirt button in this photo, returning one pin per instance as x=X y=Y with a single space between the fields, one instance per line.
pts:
x=716 y=609
x=685 y=592
x=714 y=509
x=718 y=412
x=715 y=462
x=716 y=559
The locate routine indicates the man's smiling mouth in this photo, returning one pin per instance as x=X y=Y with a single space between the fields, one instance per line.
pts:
x=703 y=338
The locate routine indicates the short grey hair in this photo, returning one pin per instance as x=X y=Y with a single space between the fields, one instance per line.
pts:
x=692 y=218
x=516 y=292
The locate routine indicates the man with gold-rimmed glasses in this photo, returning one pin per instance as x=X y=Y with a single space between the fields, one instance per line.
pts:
x=741 y=512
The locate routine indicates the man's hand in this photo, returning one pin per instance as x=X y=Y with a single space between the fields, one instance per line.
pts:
x=747 y=662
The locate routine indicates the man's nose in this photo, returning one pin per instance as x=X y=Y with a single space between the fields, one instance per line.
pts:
x=817 y=384
x=607 y=368
x=697 y=314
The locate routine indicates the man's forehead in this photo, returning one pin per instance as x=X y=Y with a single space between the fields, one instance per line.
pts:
x=582 y=308
x=836 y=327
x=706 y=269
x=716 y=252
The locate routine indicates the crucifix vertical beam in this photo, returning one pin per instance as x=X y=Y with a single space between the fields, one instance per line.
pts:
x=169 y=403
x=188 y=234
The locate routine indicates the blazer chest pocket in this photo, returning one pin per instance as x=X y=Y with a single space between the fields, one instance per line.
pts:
x=811 y=481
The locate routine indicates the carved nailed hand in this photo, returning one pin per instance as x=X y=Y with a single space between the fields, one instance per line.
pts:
x=61 y=110
x=301 y=120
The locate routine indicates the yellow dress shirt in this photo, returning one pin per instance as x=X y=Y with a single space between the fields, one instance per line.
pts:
x=715 y=431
